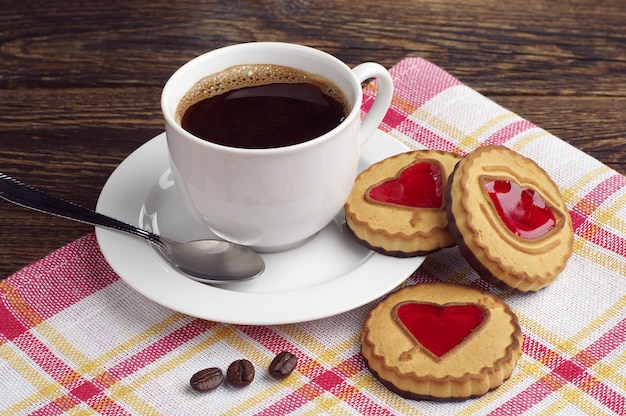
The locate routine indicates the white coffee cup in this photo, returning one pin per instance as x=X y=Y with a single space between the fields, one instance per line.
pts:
x=276 y=198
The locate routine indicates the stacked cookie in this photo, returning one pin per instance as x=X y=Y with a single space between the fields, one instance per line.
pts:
x=443 y=341
x=503 y=211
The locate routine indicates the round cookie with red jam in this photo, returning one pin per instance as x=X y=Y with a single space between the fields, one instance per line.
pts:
x=509 y=219
x=396 y=206
x=441 y=341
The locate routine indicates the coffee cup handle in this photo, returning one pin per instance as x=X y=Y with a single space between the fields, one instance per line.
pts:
x=374 y=117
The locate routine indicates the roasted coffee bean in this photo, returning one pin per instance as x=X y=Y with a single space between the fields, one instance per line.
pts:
x=207 y=379
x=283 y=365
x=240 y=373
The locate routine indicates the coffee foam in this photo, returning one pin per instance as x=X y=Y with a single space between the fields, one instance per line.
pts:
x=252 y=75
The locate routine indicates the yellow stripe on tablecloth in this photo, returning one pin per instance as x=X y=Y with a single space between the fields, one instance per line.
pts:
x=407 y=106
x=323 y=403
x=540 y=369
x=600 y=256
x=297 y=382
x=95 y=367
x=610 y=369
x=45 y=389
x=230 y=335
x=473 y=139
x=325 y=358
x=294 y=382
x=263 y=396
x=21 y=305
x=424 y=117
x=528 y=139
x=55 y=390
x=323 y=354
x=569 y=347
x=570 y=396
x=606 y=215
x=495 y=395
x=375 y=391
x=125 y=392
x=600 y=216
x=86 y=367
x=133 y=342
x=573 y=196
x=463 y=141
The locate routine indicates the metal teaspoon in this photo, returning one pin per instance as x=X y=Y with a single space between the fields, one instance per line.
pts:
x=207 y=261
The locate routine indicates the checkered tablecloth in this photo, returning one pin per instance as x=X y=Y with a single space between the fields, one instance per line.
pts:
x=75 y=339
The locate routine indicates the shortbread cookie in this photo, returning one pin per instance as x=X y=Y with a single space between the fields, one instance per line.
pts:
x=396 y=206
x=441 y=341
x=509 y=219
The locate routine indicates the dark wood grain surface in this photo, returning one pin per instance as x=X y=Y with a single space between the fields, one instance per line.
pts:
x=80 y=82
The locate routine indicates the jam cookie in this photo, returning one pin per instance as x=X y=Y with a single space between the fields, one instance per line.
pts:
x=509 y=219
x=441 y=341
x=396 y=206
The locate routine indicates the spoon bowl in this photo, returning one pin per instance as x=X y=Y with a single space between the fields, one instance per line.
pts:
x=237 y=262
x=206 y=261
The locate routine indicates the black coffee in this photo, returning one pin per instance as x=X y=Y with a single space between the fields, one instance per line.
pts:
x=262 y=106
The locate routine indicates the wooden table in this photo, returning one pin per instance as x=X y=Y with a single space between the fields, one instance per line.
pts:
x=80 y=82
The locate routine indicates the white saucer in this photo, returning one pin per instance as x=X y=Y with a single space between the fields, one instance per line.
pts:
x=328 y=275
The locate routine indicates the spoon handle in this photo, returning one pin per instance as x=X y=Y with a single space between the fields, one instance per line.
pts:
x=27 y=196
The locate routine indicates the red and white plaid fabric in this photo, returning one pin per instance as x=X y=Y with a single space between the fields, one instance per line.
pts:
x=74 y=338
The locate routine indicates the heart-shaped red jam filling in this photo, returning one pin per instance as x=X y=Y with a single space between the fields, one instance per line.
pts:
x=439 y=328
x=523 y=211
x=420 y=185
